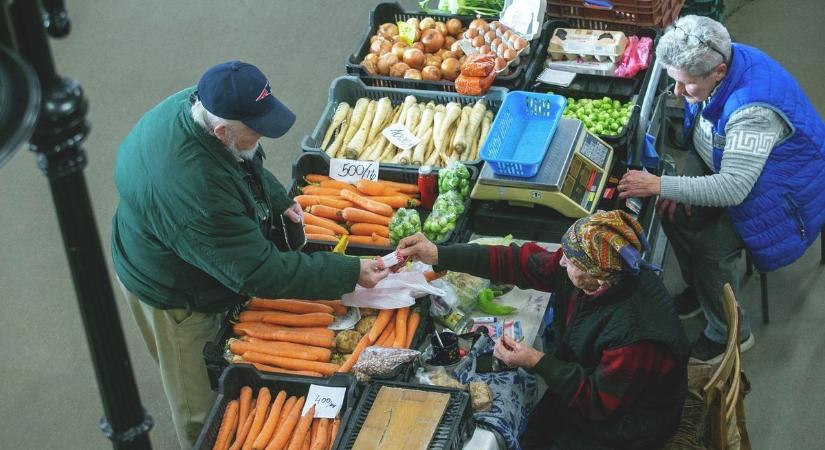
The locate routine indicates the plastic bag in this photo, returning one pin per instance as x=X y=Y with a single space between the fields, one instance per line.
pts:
x=397 y=290
x=442 y=220
x=456 y=177
x=437 y=376
x=405 y=222
x=466 y=288
x=382 y=361
x=635 y=57
x=478 y=65
x=467 y=85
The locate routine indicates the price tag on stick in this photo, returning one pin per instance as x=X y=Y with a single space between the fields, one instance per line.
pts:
x=327 y=401
x=351 y=171
x=400 y=136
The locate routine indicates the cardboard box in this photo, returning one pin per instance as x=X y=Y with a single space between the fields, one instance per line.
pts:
x=569 y=44
x=580 y=66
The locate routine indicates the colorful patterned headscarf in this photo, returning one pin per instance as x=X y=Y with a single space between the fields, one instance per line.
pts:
x=606 y=243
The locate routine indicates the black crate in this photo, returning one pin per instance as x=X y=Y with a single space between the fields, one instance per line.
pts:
x=349 y=89
x=456 y=425
x=213 y=351
x=237 y=376
x=393 y=12
x=314 y=162
x=598 y=86
x=531 y=223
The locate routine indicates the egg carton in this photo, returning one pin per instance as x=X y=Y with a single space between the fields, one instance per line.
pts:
x=577 y=44
x=497 y=37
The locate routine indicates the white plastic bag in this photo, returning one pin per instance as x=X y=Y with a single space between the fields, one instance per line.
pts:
x=395 y=291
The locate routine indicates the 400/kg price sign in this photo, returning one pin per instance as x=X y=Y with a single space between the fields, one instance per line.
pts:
x=351 y=171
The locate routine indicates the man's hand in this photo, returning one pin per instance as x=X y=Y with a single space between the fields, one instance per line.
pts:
x=372 y=271
x=637 y=183
x=515 y=354
x=295 y=213
x=419 y=248
x=664 y=206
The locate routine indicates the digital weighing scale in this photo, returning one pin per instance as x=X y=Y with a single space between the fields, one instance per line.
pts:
x=571 y=178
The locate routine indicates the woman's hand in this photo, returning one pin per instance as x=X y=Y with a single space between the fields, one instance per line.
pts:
x=418 y=247
x=515 y=354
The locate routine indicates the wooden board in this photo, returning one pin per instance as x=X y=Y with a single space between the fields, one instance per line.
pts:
x=403 y=419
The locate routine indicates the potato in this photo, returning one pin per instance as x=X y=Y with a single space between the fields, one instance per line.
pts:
x=346 y=341
x=365 y=324
x=369 y=312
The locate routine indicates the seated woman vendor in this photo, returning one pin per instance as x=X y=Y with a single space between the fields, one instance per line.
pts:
x=616 y=366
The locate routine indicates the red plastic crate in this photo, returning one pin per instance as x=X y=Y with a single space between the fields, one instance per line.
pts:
x=626 y=15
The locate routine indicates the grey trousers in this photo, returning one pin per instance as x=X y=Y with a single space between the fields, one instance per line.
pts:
x=175 y=339
x=708 y=250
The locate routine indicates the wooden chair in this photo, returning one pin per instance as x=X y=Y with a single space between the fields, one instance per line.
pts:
x=724 y=391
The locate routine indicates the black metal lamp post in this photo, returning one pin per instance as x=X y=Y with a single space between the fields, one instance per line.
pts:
x=57 y=141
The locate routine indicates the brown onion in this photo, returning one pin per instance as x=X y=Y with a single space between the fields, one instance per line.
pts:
x=385 y=62
x=431 y=73
x=399 y=70
x=374 y=38
x=441 y=27
x=432 y=39
x=418 y=45
x=370 y=66
x=414 y=58
x=456 y=50
x=450 y=68
x=445 y=54
x=388 y=30
x=413 y=74
x=371 y=57
x=454 y=26
x=426 y=23
x=432 y=60
x=478 y=23
x=380 y=46
x=398 y=49
x=448 y=41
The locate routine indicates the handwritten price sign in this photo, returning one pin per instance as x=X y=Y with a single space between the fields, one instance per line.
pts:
x=327 y=401
x=350 y=171
x=400 y=136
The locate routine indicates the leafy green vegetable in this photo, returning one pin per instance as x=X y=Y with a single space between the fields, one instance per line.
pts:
x=465 y=7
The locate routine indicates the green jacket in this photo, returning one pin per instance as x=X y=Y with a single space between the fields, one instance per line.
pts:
x=187 y=232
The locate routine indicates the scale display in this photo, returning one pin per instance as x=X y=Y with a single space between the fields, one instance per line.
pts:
x=571 y=179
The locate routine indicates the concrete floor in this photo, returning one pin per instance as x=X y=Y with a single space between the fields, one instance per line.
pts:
x=130 y=55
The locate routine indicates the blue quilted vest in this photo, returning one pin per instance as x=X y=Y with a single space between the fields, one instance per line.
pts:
x=785 y=210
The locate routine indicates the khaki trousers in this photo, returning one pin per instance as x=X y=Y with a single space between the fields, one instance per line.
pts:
x=175 y=339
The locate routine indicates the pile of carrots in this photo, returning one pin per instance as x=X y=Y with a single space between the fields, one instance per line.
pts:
x=290 y=336
x=266 y=423
x=334 y=208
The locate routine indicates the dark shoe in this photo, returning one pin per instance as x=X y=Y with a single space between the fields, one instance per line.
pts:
x=709 y=352
x=686 y=304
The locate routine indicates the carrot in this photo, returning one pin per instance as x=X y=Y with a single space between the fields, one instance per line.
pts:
x=245 y=405
x=243 y=431
x=313 y=430
x=367 y=204
x=264 y=396
x=366 y=229
x=384 y=317
x=326 y=223
x=298 y=320
x=334 y=202
x=401 y=327
x=432 y=276
x=369 y=187
x=315 y=229
x=291 y=363
x=301 y=429
x=240 y=347
x=229 y=424
x=359 y=215
x=326 y=212
x=356 y=353
x=244 y=327
x=284 y=430
x=319 y=441
x=323 y=354
x=405 y=188
x=315 y=178
x=340 y=309
x=290 y=403
x=297 y=337
x=271 y=369
x=320 y=237
x=380 y=240
x=291 y=305
x=398 y=201
x=269 y=426
x=336 y=184
x=333 y=432
x=307 y=441
x=317 y=190
x=368 y=240
x=387 y=337
x=412 y=326
x=307 y=200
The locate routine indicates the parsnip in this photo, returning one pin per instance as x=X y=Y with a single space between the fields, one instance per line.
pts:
x=486 y=123
x=438 y=119
x=476 y=116
x=424 y=134
x=382 y=113
x=337 y=144
x=408 y=102
x=356 y=145
x=459 y=142
x=358 y=113
x=338 y=118
x=451 y=114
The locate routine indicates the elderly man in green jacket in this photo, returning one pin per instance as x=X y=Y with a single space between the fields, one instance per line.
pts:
x=196 y=229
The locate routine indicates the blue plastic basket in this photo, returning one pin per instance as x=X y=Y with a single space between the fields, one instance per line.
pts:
x=521 y=133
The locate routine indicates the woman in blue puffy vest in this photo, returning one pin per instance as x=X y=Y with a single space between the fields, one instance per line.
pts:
x=753 y=173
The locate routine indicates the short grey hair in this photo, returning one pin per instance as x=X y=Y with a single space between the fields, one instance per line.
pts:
x=209 y=121
x=694 y=44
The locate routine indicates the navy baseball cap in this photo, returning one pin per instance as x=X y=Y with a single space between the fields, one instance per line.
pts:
x=236 y=90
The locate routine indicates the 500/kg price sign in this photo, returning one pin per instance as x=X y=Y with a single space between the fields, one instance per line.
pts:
x=351 y=171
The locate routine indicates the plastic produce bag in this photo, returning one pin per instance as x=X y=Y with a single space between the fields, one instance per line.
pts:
x=478 y=65
x=405 y=222
x=382 y=361
x=465 y=287
x=635 y=57
x=456 y=177
x=437 y=376
x=467 y=85
x=397 y=290
x=446 y=210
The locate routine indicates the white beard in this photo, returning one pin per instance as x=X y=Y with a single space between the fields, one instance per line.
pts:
x=246 y=155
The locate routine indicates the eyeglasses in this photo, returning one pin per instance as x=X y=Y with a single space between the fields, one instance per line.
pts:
x=701 y=41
